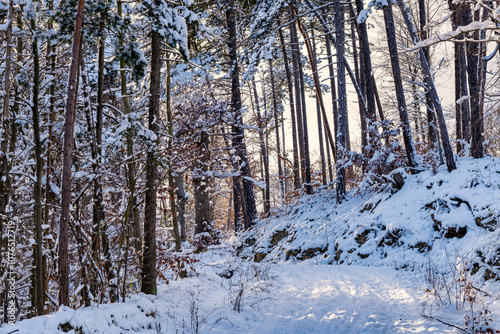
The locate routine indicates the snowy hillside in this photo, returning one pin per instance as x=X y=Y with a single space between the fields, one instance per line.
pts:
x=433 y=219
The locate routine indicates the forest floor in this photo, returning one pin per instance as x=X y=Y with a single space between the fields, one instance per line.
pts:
x=228 y=295
x=422 y=257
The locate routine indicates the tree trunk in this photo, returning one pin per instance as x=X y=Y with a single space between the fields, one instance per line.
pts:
x=396 y=72
x=238 y=132
x=342 y=100
x=448 y=150
x=296 y=166
x=263 y=151
x=298 y=103
x=171 y=172
x=38 y=261
x=476 y=121
x=131 y=169
x=318 y=116
x=4 y=159
x=203 y=213
x=307 y=156
x=148 y=274
x=277 y=132
x=63 y=278
x=432 y=132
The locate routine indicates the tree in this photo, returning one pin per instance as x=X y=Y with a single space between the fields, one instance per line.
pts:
x=67 y=159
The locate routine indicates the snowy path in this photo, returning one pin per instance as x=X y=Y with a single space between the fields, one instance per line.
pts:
x=341 y=299
x=298 y=299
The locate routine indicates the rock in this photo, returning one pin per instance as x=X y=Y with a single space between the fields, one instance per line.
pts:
x=259 y=256
x=455 y=232
x=278 y=236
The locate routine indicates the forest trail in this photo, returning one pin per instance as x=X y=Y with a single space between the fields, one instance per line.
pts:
x=342 y=299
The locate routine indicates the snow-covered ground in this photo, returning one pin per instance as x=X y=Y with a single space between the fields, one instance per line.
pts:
x=382 y=262
x=273 y=298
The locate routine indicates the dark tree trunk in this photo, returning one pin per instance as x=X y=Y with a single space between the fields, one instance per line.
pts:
x=396 y=72
x=181 y=204
x=333 y=89
x=237 y=127
x=342 y=99
x=298 y=99
x=307 y=156
x=296 y=166
x=38 y=261
x=448 y=150
x=171 y=172
x=265 y=133
x=203 y=213
x=319 y=96
x=148 y=274
x=320 y=124
x=367 y=68
x=131 y=169
x=63 y=266
x=277 y=133
x=476 y=121
x=432 y=133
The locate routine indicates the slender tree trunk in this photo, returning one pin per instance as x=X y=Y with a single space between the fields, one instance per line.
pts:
x=264 y=127
x=263 y=152
x=171 y=172
x=38 y=261
x=333 y=89
x=448 y=150
x=63 y=278
x=307 y=156
x=5 y=130
x=181 y=203
x=367 y=66
x=296 y=166
x=319 y=95
x=476 y=121
x=396 y=72
x=277 y=133
x=238 y=132
x=320 y=124
x=432 y=132
x=131 y=169
x=298 y=103
x=342 y=100
x=148 y=274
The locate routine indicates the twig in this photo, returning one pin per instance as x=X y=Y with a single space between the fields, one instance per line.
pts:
x=445 y=323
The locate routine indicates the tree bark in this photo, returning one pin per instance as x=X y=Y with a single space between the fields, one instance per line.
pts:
x=171 y=172
x=263 y=151
x=148 y=274
x=432 y=133
x=237 y=127
x=203 y=213
x=63 y=278
x=277 y=132
x=396 y=72
x=38 y=260
x=296 y=166
x=342 y=100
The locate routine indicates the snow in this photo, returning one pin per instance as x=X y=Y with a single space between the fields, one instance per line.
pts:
x=283 y=298
x=375 y=264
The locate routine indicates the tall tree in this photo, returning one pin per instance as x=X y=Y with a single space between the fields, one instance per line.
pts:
x=148 y=274
x=411 y=154
x=69 y=126
x=237 y=126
